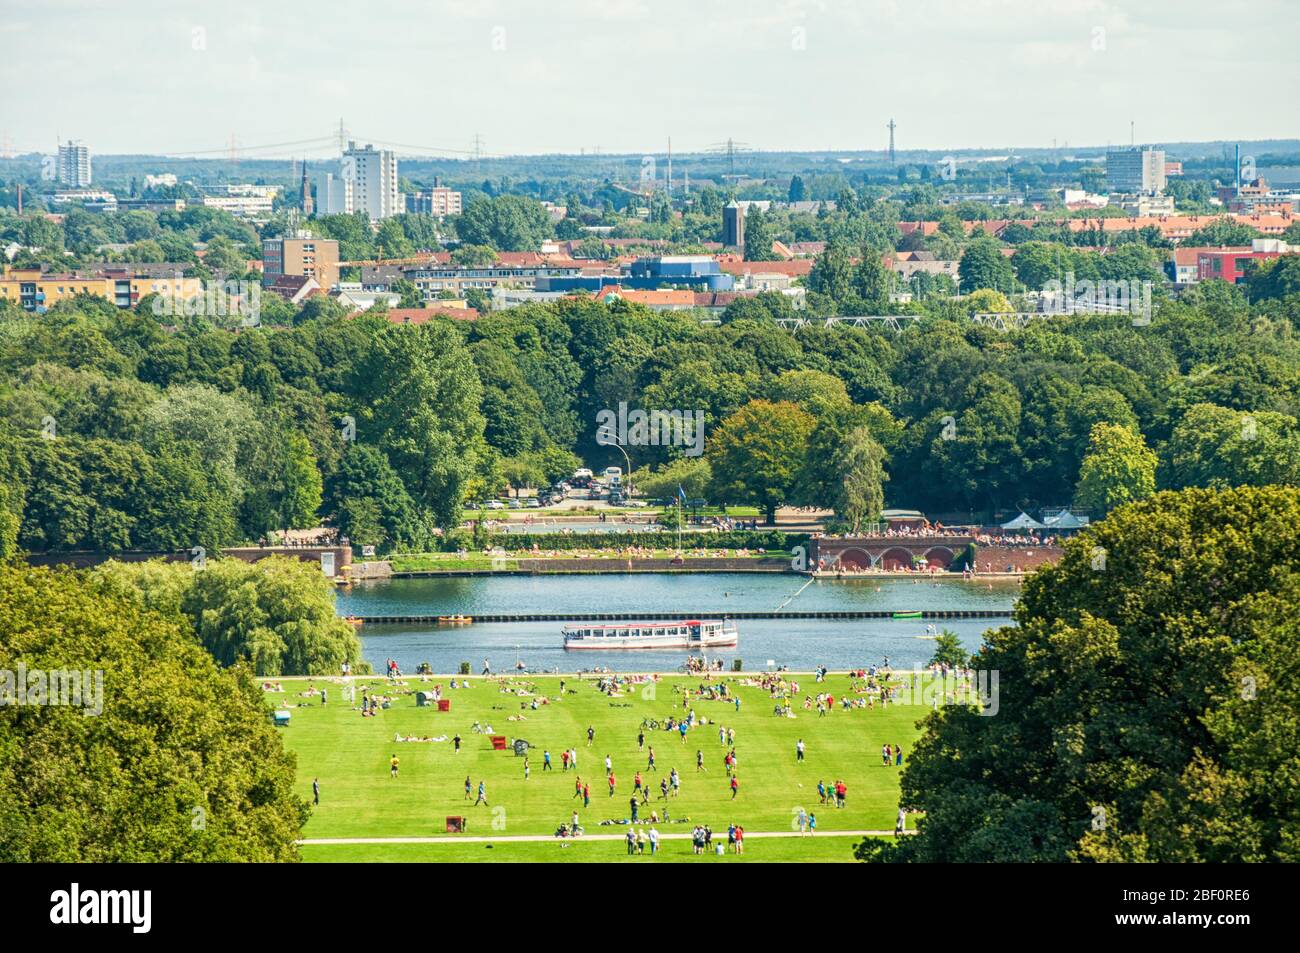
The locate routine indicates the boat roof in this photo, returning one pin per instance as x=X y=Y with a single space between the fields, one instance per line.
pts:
x=637 y=625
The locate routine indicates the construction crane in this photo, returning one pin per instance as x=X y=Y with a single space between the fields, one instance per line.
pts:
x=424 y=259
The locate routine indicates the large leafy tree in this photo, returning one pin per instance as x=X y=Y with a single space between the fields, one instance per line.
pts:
x=1118 y=469
x=1218 y=447
x=419 y=401
x=179 y=763
x=859 y=493
x=1146 y=699
x=756 y=454
x=506 y=223
x=983 y=266
x=369 y=504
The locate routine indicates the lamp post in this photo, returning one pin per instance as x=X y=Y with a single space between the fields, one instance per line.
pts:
x=612 y=438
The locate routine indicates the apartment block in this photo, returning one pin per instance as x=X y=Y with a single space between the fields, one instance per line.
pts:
x=34 y=290
x=74 y=164
x=436 y=201
x=368 y=183
x=302 y=255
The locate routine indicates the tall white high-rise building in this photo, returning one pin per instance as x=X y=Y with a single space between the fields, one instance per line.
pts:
x=1135 y=170
x=74 y=164
x=368 y=183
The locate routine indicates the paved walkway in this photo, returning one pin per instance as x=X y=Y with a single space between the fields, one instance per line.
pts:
x=466 y=839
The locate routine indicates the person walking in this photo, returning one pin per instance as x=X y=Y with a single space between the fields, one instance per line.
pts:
x=635 y=806
x=591 y=736
x=469 y=787
x=482 y=795
x=798 y=750
x=735 y=786
x=546 y=760
x=455 y=743
x=586 y=795
x=654 y=841
x=315 y=790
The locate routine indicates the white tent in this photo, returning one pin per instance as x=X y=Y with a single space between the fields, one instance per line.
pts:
x=1023 y=521
x=1066 y=520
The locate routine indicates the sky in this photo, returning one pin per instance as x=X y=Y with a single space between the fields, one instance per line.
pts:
x=526 y=76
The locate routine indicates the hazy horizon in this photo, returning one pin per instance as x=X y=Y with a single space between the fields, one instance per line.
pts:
x=622 y=76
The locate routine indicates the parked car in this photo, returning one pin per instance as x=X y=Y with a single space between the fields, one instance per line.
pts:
x=532 y=503
x=494 y=505
x=514 y=504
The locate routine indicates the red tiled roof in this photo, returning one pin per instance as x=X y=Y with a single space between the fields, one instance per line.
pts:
x=424 y=315
x=794 y=268
x=648 y=296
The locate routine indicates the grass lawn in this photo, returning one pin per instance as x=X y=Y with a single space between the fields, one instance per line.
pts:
x=425 y=562
x=820 y=848
x=350 y=755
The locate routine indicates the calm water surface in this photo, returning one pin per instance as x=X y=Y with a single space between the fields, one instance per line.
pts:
x=799 y=643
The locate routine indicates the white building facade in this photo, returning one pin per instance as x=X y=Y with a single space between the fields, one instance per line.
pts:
x=368 y=183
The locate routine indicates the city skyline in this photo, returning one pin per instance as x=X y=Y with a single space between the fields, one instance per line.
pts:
x=624 y=77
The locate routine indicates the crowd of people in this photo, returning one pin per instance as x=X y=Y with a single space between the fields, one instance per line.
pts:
x=652 y=792
x=1016 y=539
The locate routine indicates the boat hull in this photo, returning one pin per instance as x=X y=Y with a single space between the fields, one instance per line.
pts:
x=724 y=638
x=634 y=644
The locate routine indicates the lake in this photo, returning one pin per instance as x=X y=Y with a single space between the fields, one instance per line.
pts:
x=799 y=643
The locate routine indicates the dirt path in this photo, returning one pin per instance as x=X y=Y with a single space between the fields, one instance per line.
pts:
x=466 y=839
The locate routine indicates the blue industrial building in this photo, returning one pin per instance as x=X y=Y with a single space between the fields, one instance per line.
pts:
x=696 y=272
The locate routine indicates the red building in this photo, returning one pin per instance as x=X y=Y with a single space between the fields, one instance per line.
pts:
x=1230 y=264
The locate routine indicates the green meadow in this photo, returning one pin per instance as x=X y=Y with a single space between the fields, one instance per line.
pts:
x=350 y=756
x=831 y=848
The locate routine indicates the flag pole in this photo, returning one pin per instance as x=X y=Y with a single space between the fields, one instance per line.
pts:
x=680 y=516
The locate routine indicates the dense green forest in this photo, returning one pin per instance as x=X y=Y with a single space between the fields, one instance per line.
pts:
x=118 y=433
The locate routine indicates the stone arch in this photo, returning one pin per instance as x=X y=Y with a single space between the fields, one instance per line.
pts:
x=896 y=558
x=940 y=557
x=855 y=559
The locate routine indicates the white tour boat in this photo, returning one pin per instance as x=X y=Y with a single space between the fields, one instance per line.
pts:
x=690 y=634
